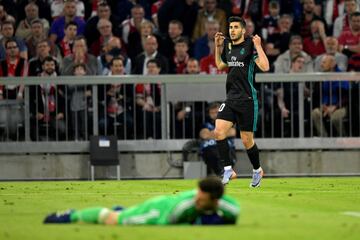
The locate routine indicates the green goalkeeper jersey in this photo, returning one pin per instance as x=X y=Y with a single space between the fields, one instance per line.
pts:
x=176 y=209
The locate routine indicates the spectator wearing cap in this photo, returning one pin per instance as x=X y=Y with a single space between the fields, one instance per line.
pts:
x=58 y=25
x=24 y=27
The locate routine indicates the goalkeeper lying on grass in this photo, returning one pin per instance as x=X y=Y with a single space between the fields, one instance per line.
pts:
x=206 y=205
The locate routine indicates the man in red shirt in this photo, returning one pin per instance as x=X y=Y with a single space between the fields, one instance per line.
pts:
x=349 y=42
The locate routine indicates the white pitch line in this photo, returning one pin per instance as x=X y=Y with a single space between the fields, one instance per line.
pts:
x=353 y=214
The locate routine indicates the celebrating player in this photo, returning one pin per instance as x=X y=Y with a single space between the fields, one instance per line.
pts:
x=240 y=53
x=206 y=205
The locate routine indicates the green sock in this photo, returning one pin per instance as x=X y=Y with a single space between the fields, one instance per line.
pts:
x=90 y=215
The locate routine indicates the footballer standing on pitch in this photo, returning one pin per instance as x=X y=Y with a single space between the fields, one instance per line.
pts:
x=240 y=54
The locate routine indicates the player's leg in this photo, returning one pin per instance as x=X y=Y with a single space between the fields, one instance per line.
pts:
x=253 y=154
x=98 y=215
x=222 y=128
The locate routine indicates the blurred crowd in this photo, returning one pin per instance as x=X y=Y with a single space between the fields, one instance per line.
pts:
x=148 y=37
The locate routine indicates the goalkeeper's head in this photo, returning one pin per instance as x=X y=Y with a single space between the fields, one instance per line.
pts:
x=209 y=192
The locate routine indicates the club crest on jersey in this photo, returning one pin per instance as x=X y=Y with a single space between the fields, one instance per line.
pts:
x=242 y=51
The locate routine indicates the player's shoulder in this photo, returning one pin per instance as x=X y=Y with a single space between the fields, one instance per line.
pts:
x=229 y=204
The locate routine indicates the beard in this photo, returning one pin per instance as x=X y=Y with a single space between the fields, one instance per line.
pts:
x=236 y=37
x=50 y=71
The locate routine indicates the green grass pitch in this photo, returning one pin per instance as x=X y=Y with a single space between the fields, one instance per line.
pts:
x=283 y=208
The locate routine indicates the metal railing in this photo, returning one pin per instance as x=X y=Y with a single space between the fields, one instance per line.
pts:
x=188 y=91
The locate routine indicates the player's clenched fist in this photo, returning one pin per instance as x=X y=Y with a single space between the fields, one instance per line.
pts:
x=219 y=39
x=256 y=40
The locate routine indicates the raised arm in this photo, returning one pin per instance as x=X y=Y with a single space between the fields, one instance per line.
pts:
x=262 y=61
x=219 y=46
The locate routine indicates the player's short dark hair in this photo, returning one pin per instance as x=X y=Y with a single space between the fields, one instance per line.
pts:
x=213 y=186
x=237 y=19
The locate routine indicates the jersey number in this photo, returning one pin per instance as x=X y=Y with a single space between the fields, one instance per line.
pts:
x=221 y=107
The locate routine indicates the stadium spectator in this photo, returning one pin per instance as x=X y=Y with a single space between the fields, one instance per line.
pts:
x=57 y=7
x=47 y=106
x=270 y=21
x=174 y=32
x=58 y=25
x=43 y=51
x=201 y=45
x=207 y=63
x=342 y=23
x=278 y=43
x=283 y=62
x=133 y=24
x=179 y=60
x=287 y=113
x=66 y=44
x=205 y=205
x=333 y=105
x=184 y=10
x=150 y=52
x=79 y=103
x=332 y=9
x=208 y=149
x=116 y=101
x=43 y=5
x=188 y=115
x=154 y=11
x=250 y=28
x=12 y=115
x=112 y=49
x=79 y=56
x=4 y=16
x=105 y=28
x=315 y=45
x=309 y=14
x=192 y=66
x=23 y=30
x=137 y=39
x=349 y=42
x=148 y=99
x=7 y=30
x=209 y=13
x=331 y=47
x=103 y=12
x=37 y=34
